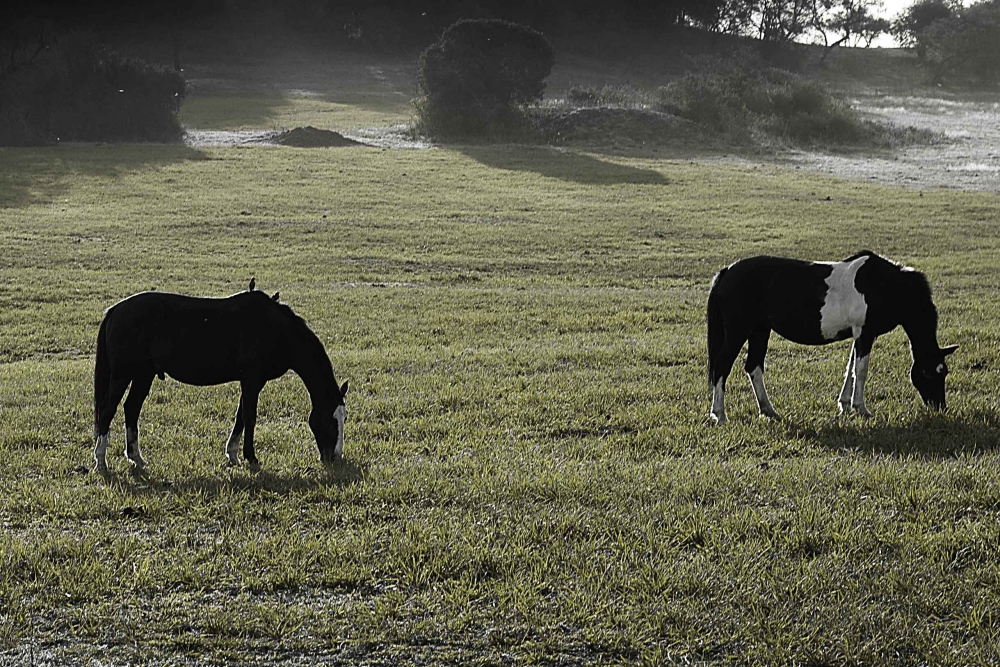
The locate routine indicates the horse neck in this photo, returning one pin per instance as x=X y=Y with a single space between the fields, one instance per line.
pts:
x=916 y=312
x=312 y=365
x=920 y=326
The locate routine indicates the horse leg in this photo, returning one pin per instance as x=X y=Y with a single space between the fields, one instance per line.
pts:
x=756 y=351
x=233 y=444
x=862 y=354
x=248 y=399
x=116 y=389
x=133 y=405
x=847 y=391
x=721 y=367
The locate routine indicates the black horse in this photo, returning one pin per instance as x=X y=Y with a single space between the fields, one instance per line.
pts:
x=815 y=303
x=248 y=337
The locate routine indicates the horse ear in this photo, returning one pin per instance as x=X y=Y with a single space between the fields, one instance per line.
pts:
x=275 y=297
x=945 y=351
x=344 y=389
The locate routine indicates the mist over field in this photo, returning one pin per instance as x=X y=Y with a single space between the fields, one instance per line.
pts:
x=501 y=221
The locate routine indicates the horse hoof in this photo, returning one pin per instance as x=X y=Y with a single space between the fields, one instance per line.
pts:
x=254 y=466
x=716 y=420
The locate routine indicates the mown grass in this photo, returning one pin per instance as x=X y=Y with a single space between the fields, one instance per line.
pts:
x=529 y=477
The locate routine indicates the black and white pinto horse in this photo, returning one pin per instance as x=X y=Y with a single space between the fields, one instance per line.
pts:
x=248 y=338
x=815 y=303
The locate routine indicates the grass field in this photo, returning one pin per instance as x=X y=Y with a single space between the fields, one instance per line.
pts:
x=528 y=474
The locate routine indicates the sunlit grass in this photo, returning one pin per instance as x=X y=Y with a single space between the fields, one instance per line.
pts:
x=529 y=476
x=283 y=111
x=335 y=90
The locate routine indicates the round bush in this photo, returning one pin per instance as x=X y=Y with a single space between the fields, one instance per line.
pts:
x=479 y=75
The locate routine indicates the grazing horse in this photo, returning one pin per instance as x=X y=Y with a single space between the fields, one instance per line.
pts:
x=248 y=338
x=815 y=303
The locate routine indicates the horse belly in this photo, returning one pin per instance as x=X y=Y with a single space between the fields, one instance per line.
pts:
x=197 y=360
x=801 y=330
x=199 y=372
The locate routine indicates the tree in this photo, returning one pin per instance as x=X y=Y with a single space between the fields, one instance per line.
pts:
x=967 y=42
x=22 y=40
x=918 y=17
x=478 y=75
x=852 y=20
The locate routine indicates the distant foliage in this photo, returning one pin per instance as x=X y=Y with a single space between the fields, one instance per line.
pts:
x=478 y=77
x=916 y=18
x=761 y=105
x=82 y=91
x=963 y=47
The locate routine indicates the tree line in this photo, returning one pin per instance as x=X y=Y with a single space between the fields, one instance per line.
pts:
x=406 y=23
x=952 y=41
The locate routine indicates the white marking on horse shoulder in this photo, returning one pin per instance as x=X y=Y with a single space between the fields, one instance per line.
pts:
x=845 y=306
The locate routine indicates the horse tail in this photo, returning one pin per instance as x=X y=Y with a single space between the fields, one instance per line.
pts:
x=102 y=373
x=715 y=326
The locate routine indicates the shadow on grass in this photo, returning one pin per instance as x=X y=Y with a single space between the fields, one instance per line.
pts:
x=40 y=175
x=565 y=165
x=928 y=434
x=343 y=473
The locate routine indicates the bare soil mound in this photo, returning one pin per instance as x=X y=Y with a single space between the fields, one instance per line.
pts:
x=310 y=137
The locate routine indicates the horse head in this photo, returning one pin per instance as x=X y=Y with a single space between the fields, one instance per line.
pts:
x=927 y=374
x=327 y=424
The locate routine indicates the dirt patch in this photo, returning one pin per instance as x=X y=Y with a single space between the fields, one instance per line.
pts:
x=208 y=138
x=310 y=137
x=393 y=136
x=966 y=157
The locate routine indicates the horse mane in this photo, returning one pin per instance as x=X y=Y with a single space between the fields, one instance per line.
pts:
x=916 y=290
x=913 y=284
x=866 y=253
x=314 y=346
x=917 y=283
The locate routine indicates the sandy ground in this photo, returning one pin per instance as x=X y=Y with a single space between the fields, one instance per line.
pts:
x=394 y=136
x=967 y=156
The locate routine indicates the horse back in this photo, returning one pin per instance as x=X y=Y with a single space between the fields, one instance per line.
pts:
x=779 y=293
x=197 y=340
x=815 y=303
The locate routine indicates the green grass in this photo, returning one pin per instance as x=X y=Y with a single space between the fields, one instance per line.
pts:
x=529 y=476
x=246 y=111
x=331 y=91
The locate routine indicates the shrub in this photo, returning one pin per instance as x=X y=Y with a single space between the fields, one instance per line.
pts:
x=82 y=91
x=478 y=77
x=764 y=104
x=623 y=95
